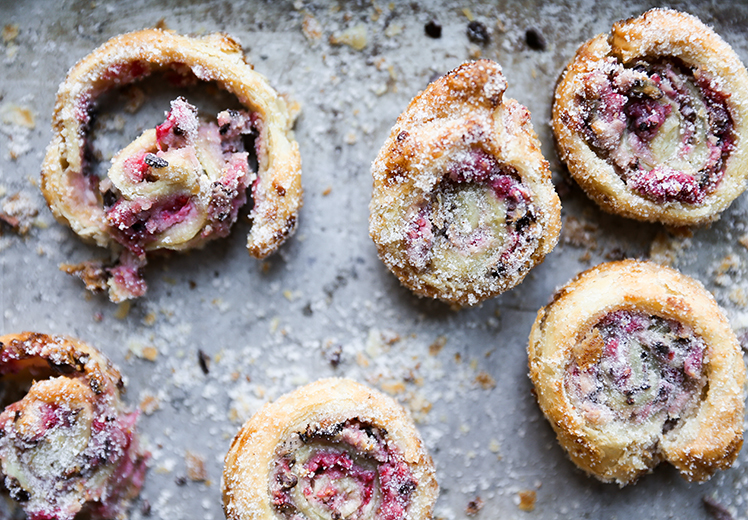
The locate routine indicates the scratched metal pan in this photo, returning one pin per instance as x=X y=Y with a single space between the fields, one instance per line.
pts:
x=324 y=304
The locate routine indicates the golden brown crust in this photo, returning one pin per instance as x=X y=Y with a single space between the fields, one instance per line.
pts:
x=70 y=442
x=216 y=57
x=249 y=462
x=65 y=355
x=708 y=439
x=463 y=110
x=657 y=34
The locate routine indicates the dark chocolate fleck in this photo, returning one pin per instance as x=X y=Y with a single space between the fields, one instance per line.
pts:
x=61 y=368
x=180 y=480
x=474 y=506
x=535 y=39
x=95 y=385
x=20 y=495
x=287 y=480
x=335 y=356
x=407 y=488
x=155 y=161
x=108 y=198
x=478 y=33
x=145 y=508
x=669 y=425
x=433 y=29
x=204 y=360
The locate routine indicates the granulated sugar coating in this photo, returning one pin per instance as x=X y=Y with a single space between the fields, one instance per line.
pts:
x=325 y=305
x=463 y=205
x=651 y=119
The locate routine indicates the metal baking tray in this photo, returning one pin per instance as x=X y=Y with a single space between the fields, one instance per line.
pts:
x=266 y=327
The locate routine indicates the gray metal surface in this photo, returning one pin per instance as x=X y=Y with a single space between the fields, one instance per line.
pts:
x=270 y=326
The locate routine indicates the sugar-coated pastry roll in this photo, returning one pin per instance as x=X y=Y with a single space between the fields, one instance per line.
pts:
x=463 y=205
x=652 y=119
x=182 y=183
x=69 y=445
x=331 y=450
x=633 y=364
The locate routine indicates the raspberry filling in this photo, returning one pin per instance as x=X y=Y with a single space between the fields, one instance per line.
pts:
x=186 y=179
x=664 y=126
x=67 y=445
x=638 y=368
x=480 y=215
x=175 y=187
x=346 y=471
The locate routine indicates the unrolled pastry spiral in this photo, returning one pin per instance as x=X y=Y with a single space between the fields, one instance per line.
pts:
x=333 y=449
x=463 y=205
x=652 y=119
x=181 y=184
x=70 y=443
x=634 y=363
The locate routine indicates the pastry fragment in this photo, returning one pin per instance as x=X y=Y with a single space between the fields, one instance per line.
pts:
x=333 y=449
x=463 y=205
x=633 y=364
x=181 y=184
x=651 y=119
x=69 y=444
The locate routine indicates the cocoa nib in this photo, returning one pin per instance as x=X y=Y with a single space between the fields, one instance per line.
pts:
x=287 y=480
x=478 y=33
x=155 y=161
x=474 y=506
x=535 y=39
x=433 y=29
x=204 y=360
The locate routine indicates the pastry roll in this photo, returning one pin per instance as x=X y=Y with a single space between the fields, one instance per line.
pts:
x=463 y=205
x=69 y=444
x=633 y=364
x=651 y=119
x=182 y=183
x=331 y=450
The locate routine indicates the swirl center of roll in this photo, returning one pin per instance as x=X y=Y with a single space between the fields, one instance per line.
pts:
x=480 y=215
x=183 y=180
x=347 y=470
x=635 y=367
x=665 y=127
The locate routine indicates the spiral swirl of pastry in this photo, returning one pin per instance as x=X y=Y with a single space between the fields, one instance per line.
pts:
x=634 y=363
x=333 y=449
x=69 y=444
x=651 y=120
x=463 y=205
x=181 y=184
